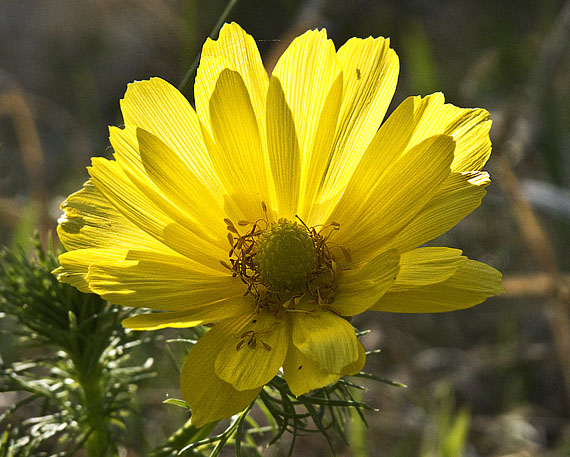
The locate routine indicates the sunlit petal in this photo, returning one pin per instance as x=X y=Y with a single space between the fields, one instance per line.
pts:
x=254 y=351
x=472 y=283
x=209 y=397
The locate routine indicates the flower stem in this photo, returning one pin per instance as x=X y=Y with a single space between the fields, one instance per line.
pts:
x=100 y=442
x=185 y=435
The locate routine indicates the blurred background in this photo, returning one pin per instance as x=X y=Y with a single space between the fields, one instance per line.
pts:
x=490 y=381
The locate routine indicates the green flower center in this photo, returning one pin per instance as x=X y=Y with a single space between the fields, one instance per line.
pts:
x=285 y=265
x=286 y=257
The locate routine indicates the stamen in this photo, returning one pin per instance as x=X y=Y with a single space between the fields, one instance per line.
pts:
x=285 y=265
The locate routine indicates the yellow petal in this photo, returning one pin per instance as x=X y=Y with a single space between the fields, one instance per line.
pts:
x=326 y=338
x=361 y=288
x=190 y=318
x=162 y=282
x=370 y=73
x=119 y=190
x=470 y=130
x=417 y=118
x=306 y=70
x=414 y=120
x=235 y=50
x=283 y=149
x=128 y=153
x=159 y=108
x=75 y=265
x=179 y=184
x=385 y=194
x=312 y=210
x=427 y=265
x=209 y=397
x=91 y=221
x=206 y=78
x=459 y=195
x=304 y=374
x=239 y=155
x=356 y=366
x=472 y=283
x=254 y=352
x=312 y=80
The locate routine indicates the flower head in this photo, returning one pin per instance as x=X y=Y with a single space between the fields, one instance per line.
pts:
x=278 y=208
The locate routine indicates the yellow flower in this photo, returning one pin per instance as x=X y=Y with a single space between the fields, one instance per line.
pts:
x=276 y=209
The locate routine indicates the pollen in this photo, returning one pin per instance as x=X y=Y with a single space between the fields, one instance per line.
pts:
x=286 y=257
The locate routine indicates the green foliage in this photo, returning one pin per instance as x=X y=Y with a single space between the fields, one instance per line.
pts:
x=326 y=411
x=72 y=376
x=448 y=431
x=422 y=69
